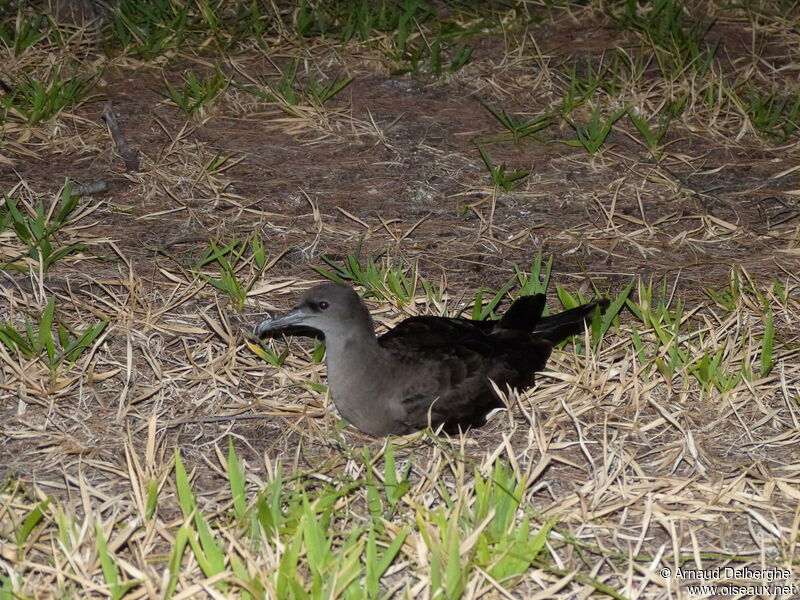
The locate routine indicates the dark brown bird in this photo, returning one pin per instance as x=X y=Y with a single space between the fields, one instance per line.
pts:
x=427 y=370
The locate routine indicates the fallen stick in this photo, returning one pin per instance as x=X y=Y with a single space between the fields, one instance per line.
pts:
x=129 y=154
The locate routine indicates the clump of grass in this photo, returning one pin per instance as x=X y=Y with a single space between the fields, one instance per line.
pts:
x=500 y=177
x=435 y=62
x=448 y=54
x=583 y=80
x=601 y=323
x=251 y=21
x=592 y=134
x=516 y=127
x=148 y=29
x=269 y=355
x=361 y=19
x=36 y=98
x=654 y=135
x=284 y=89
x=741 y=289
x=40 y=342
x=24 y=32
x=773 y=115
x=678 y=43
x=197 y=93
x=229 y=260
x=152 y=30
x=112 y=573
x=677 y=349
x=37 y=229
x=398 y=282
x=300 y=519
x=399 y=28
x=288 y=92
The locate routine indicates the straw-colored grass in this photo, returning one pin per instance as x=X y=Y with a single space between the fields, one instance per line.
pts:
x=165 y=458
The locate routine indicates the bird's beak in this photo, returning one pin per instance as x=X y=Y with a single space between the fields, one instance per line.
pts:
x=293 y=318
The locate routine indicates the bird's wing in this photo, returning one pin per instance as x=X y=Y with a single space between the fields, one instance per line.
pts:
x=429 y=333
x=452 y=394
x=448 y=364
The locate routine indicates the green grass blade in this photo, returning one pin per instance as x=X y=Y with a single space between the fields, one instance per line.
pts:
x=46 y=330
x=29 y=524
x=236 y=478
x=767 y=343
x=175 y=559
x=185 y=495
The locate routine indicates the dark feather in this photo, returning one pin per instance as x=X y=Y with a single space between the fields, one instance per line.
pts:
x=462 y=355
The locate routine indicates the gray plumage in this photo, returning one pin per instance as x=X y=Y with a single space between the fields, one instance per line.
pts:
x=427 y=370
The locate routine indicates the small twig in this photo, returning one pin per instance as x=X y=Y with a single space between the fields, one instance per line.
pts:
x=219 y=419
x=129 y=154
x=784 y=220
x=241 y=417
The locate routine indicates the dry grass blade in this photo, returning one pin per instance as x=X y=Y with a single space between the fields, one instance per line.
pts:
x=150 y=449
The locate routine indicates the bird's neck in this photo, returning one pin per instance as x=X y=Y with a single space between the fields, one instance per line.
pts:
x=357 y=370
x=352 y=355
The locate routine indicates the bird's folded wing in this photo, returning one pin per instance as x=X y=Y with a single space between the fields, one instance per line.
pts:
x=453 y=390
x=448 y=364
x=428 y=333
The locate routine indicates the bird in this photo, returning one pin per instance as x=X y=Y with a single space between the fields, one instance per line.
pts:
x=427 y=371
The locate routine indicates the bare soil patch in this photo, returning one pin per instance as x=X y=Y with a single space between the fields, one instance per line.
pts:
x=632 y=461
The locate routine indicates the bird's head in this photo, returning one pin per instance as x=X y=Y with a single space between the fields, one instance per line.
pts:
x=331 y=308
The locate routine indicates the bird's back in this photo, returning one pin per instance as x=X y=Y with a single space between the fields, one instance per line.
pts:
x=449 y=361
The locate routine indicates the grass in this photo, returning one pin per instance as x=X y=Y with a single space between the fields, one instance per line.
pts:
x=290 y=94
x=196 y=93
x=679 y=44
x=399 y=282
x=501 y=178
x=517 y=128
x=24 y=32
x=33 y=99
x=654 y=136
x=646 y=152
x=398 y=28
x=487 y=530
x=41 y=344
x=230 y=259
x=148 y=30
x=774 y=115
x=593 y=132
x=36 y=229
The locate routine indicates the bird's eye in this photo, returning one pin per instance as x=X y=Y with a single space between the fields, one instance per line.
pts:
x=323 y=305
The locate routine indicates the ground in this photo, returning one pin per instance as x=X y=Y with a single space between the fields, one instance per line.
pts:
x=640 y=451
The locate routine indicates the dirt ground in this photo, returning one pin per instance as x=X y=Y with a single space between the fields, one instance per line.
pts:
x=393 y=159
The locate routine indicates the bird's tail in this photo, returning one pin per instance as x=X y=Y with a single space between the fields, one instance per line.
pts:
x=556 y=328
x=524 y=313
